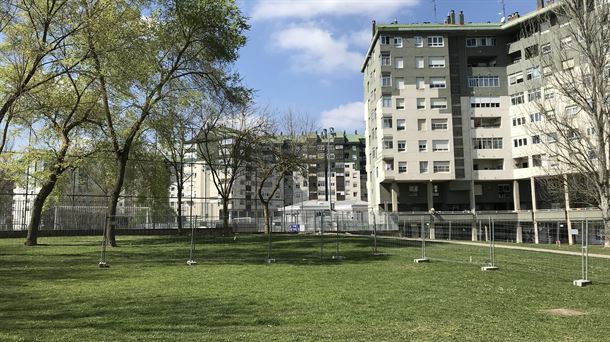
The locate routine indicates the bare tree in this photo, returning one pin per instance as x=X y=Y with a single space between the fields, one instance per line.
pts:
x=570 y=104
x=175 y=130
x=282 y=153
x=226 y=143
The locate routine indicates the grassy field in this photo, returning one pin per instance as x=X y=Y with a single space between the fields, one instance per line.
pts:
x=56 y=292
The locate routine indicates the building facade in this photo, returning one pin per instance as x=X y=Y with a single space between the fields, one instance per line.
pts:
x=447 y=111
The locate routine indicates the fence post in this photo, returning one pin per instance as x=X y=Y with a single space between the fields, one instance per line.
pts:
x=492 y=252
x=337 y=256
x=450 y=230
x=584 y=258
x=190 y=261
x=103 y=263
x=321 y=235
x=423 y=244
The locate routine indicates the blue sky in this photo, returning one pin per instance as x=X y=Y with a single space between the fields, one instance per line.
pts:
x=305 y=55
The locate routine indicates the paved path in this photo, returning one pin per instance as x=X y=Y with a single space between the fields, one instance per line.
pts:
x=523 y=248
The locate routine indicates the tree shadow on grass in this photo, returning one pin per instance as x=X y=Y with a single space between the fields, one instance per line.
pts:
x=138 y=313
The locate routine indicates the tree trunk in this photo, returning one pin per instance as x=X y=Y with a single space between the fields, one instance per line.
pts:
x=179 y=188
x=266 y=215
x=225 y=214
x=114 y=198
x=604 y=207
x=36 y=211
x=43 y=194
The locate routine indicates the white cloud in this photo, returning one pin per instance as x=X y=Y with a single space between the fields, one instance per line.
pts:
x=347 y=117
x=275 y=9
x=315 y=49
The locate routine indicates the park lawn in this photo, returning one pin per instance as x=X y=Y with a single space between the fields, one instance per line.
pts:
x=57 y=292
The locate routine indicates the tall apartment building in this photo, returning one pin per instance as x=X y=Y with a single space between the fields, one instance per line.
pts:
x=345 y=167
x=346 y=180
x=446 y=107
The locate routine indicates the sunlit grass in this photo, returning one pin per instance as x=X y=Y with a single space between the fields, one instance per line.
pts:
x=57 y=292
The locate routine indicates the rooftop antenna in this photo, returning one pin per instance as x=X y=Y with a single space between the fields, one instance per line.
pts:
x=435 y=18
x=503 y=9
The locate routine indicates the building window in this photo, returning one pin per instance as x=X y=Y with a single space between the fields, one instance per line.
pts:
x=386 y=80
x=487 y=143
x=399 y=62
x=385 y=40
x=532 y=73
x=518 y=142
x=421 y=125
x=419 y=62
x=441 y=167
x=402 y=145
x=387 y=122
x=436 y=41
x=389 y=164
x=516 y=99
x=535 y=139
x=485 y=102
x=440 y=145
x=400 y=83
x=568 y=64
x=480 y=41
x=400 y=103
x=535 y=117
x=401 y=124
x=438 y=82
x=518 y=121
x=483 y=81
x=439 y=124
x=565 y=43
x=388 y=143
x=551 y=137
x=420 y=83
x=423 y=167
x=402 y=167
x=387 y=101
x=436 y=62
x=422 y=145
x=438 y=103
x=572 y=110
x=398 y=42
x=545 y=49
x=534 y=95
x=386 y=60
x=419 y=41
x=421 y=103
x=515 y=78
x=549 y=93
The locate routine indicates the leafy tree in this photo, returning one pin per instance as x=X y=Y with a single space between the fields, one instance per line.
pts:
x=142 y=60
x=37 y=40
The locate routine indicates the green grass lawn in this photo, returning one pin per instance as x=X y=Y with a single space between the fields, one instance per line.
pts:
x=57 y=292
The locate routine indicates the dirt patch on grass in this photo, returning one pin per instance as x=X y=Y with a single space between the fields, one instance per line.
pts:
x=564 y=312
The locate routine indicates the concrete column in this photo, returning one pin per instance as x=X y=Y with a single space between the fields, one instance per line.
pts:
x=394 y=197
x=474 y=236
x=517 y=207
x=516 y=196
x=534 y=209
x=430 y=197
x=566 y=197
